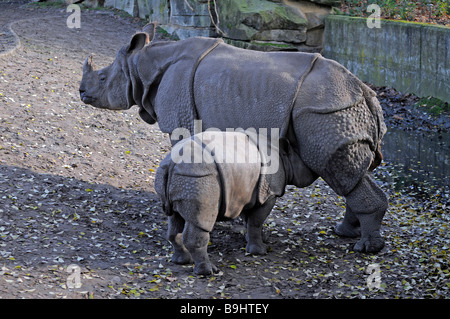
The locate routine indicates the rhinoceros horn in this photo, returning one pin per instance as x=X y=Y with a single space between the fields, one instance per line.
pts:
x=88 y=66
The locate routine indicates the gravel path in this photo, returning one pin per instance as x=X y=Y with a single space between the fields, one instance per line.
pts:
x=76 y=188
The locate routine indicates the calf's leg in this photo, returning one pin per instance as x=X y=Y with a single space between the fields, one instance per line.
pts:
x=196 y=241
x=255 y=219
x=180 y=254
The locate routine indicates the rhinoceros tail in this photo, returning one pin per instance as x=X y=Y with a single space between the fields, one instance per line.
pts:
x=378 y=158
x=377 y=112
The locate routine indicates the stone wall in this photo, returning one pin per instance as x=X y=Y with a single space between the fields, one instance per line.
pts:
x=255 y=24
x=410 y=57
x=180 y=18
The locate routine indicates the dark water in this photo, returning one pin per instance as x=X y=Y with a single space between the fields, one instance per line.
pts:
x=416 y=162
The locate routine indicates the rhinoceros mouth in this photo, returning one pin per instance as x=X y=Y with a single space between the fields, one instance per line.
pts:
x=88 y=99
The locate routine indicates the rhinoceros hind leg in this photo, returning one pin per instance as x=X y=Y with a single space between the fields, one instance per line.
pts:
x=180 y=254
x=368 y=203
x=196 y=241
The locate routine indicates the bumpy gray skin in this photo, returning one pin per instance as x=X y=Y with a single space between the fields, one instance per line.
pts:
x=332 y=119
x=194 y=195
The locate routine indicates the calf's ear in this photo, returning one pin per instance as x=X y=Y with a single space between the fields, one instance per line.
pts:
x=138 y=41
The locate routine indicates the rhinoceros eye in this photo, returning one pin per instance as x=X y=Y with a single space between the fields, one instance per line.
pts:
x=102 y=77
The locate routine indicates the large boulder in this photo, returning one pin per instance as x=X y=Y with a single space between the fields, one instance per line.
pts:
x=267 y=24
x=260 y=20
x=315 y=14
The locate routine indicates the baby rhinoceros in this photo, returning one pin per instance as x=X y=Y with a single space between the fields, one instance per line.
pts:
x=220 y=176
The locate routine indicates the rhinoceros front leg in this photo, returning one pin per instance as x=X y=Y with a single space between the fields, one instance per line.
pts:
x=180 y=254
x=196 y=241
x=255 y=219
x=367 y=205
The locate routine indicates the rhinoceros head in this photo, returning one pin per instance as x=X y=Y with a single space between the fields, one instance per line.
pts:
x=111 y=87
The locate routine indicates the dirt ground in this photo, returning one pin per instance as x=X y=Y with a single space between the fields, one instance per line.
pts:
x=76 y=188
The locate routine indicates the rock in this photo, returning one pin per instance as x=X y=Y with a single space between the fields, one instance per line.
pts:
x=186 y=18
x=94 y=3
x=89 y=3
x=314 y=38
x=315 y=14
x=159 y=11
x=251 y=19
x=129 y=6
x=290 y=36
x=189 y=13
x=330 y=3
x=261 y=45
x=180 y=18
x=143 y=10
x=180 y=33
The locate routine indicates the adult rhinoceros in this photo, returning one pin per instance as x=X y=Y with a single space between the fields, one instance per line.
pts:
x=330 y=117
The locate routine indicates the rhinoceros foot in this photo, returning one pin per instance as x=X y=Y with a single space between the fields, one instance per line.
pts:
x=345 y=230
x=371 y=244
x=205 y=268
x=181 y=258
x=256 y=249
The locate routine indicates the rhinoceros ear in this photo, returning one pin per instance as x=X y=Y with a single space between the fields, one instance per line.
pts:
x=138 y=41
x=150 y=30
